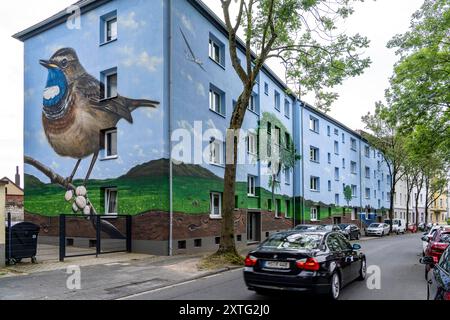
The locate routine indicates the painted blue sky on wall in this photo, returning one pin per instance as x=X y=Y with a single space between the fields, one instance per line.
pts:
x=139 y=57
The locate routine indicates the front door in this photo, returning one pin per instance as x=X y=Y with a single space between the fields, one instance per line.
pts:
x=253 y=227
x=337 y=220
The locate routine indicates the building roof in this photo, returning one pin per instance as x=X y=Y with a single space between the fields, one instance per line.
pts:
x=6 y=180
x=88 y=5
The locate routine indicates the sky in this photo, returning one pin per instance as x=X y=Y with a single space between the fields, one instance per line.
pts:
x=378 y=20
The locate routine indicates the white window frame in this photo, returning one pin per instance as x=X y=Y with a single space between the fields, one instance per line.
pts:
x=354 y=190
x=215 y=101
x=252 y=103
x=277 y=100
x=112 y=156
x=251 y=186
x=313 y=214
x=215 y=47
x=367 y=151
x=107 y=24
x=353 y=144
x=107 y=199
x=314 y=124
x=367 y=170
x=252 y=144
x=213 y=215
x=287 y=176
x=107 y=76
x=353 y=167
x=314 y=155
x=215 y=152
x=336 y=147
x=337 y=174
x=367 y=193
x=287 y=109
x=314 y=184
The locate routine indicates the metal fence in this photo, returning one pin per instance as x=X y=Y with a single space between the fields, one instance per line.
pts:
x=94 y=235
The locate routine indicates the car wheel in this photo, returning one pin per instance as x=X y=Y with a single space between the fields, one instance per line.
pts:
x=358 y=235
x=335 y=289
x=363 y=270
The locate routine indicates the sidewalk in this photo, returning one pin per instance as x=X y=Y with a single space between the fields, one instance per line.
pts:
x=112 y=277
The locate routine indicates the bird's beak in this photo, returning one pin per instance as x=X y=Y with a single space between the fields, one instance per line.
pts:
x=47 y=64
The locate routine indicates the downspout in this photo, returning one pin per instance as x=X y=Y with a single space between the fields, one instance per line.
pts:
x=302 y=173
x=170 y=133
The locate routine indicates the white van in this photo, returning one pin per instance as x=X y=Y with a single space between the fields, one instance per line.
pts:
x=399 y=226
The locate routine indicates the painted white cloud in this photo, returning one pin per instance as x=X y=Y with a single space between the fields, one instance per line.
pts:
x=142 y=59
x=200 y=89
x=130 y=21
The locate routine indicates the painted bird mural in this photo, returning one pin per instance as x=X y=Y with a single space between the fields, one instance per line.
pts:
x=75 y=110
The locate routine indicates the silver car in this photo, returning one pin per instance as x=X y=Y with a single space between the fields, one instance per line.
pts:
x=378 y=229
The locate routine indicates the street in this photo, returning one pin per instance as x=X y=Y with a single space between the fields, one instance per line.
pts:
x=402 y=277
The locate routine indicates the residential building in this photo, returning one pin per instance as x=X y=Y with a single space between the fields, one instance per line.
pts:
x=439 y=209
x=170 y=60
x=14 y=198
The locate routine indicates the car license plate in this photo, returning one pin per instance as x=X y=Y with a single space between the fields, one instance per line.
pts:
x=277 y=265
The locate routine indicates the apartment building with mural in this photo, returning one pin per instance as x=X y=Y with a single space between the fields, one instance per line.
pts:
x=111 y=95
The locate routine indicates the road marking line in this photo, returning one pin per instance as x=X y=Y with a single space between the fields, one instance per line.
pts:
x=173 y=286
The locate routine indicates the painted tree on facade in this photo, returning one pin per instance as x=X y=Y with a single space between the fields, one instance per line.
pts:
x=301 y=34
x=76 y=110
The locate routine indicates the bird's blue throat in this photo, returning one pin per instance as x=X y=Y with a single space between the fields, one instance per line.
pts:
x=55 y=94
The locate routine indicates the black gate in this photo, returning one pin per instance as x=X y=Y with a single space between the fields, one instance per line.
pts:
x=95 y=234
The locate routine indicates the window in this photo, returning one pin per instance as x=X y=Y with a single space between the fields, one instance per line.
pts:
x=336 y=174
x=252 y=143
x=367 y=172
x=378 y=165
x=287 y=176
x=215 y=152
x=388 y=196
x=109 y=79
x=328 y=131
x=216 y=100
x=353 y=167
x=329 y=157
x=343 y=163
x=251 y=181
x=367 y=193
x=266 y=88
x=375 y=194
x=336 y=147
x=277 y=208
x=367 y=151
x=111 y=201
x=329 y=185
x=110 y=137
x=287 y=209
x=216 y=205
x=108 y=31
x=388 y=180
x=216 y=50
x=353 y=144
x=314 y=124
x=277 y=100
x=313 y=214
x=287 y=109
x=287 y=139
x=336 y=132
x=314 y=154
x=374 y=174
x=343 y=138
x=379 y=185
x=336 y=199
x=276 y=135
x=314 y=184
x=354 y=191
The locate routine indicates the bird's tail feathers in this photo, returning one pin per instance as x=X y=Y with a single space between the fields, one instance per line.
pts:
x=138 y=103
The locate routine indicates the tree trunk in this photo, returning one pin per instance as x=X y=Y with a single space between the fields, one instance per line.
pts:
x=427 y=190
x=391 y=196
x=407 y=201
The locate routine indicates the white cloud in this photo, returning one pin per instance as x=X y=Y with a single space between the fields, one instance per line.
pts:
x=130 y=21
x=138 y=151
x=187 y=24
x=142 y=59
x=200 y=89
x=42 y=137
x=55 y=165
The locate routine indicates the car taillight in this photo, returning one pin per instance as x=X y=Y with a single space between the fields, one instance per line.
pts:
x=446 y=296
x=250 y=261
x=310 y=264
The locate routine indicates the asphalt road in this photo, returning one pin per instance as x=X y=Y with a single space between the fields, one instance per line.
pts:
x=397 y=257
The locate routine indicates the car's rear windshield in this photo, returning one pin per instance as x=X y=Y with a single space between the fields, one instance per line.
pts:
x=374 y=225
x=295 y=241
x=445 y=237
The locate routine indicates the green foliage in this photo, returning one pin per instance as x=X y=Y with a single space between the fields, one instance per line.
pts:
x=348 y=194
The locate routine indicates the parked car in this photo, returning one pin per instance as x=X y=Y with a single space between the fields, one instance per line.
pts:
x=318 y=261
x=351 y=231
x=378 y=229
x=438 y=283
x=438 y=244
x=427 y=237
x=399 y=226
x=308 y=227
x=422 y=226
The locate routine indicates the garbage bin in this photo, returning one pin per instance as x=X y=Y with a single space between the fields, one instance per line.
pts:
x=21 y=242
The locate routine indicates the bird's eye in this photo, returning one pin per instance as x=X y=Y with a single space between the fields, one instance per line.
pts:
x=64 y=63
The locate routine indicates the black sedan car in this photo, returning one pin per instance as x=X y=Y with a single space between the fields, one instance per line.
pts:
x=438 y=278
x=351 y=231
x=318 y=261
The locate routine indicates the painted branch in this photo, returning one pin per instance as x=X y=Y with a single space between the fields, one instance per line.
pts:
x=55 y=178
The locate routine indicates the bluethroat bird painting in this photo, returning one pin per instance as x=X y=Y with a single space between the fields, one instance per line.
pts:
x=75 y=110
